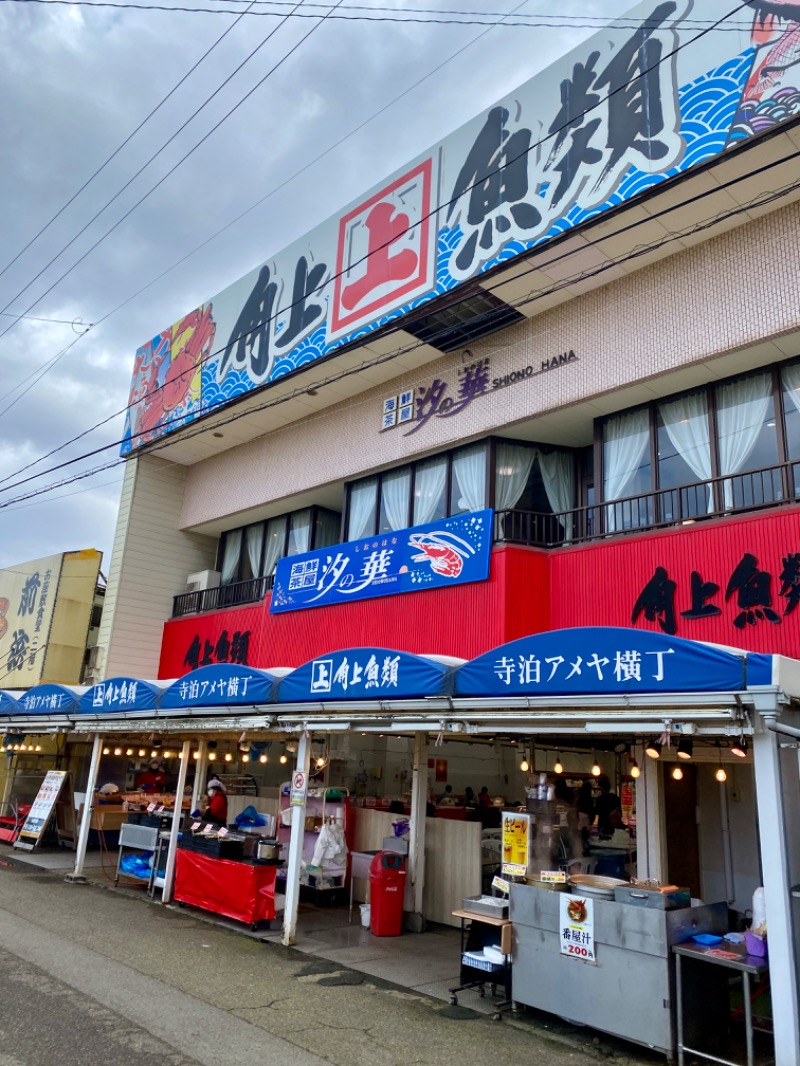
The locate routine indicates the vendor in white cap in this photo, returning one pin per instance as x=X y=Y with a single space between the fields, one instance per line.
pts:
x=217 y=809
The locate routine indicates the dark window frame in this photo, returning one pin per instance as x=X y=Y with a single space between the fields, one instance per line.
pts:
x=314 y=511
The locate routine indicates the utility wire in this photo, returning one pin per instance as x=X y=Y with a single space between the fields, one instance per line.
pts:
x=211 y=355
x=147 y=163
x=619 y=23
x=570 y=122
x=119 y=148
x=242 y=215
x=638 y=252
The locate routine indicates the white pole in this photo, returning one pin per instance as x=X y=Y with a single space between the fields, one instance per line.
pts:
x=169 y=871
x=651 y=851
x=199 y=775
x=727 y=851
x=777 y=898
x=88 y=809
x=296 y=847
x=415 y=880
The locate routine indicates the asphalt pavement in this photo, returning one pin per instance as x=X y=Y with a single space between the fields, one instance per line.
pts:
x=91 y=975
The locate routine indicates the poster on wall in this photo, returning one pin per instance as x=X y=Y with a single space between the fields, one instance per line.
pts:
x=516 y=844
x=576 y=925
x=27 y=599
x=453 y=551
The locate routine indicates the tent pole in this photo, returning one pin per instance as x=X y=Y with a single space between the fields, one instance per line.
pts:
x=88 y=809
x=169 y=871
x=415 y=881
x=199 y=774
x=296 y=846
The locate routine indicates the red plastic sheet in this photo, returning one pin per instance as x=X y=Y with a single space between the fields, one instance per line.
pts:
x=234 y=889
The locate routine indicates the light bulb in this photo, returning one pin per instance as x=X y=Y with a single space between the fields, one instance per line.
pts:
x=524 y=766
x=129 y=751
x=228 y=757
x=245 y=758
x=38 y=747
x=180 y=754
x=283 y=759
x=558 y=768
x=212 y=756
x=319 y=762
x=142 y=753
x=167 y=754
x=196 y=755
x=596 y=771
x=16 y=747
x=153 y=754
x=117 y=751
x=262 y=758
x=106 y=751
x=721 y=775
x=677 y=773
x=635 y=771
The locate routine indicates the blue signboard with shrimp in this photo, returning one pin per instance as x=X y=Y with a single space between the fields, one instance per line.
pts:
x=453 y=551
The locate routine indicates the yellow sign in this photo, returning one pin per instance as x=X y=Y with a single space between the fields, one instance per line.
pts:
x=516 y=844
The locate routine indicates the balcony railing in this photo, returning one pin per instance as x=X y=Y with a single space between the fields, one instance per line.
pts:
x=223 y=596
x=752 y=491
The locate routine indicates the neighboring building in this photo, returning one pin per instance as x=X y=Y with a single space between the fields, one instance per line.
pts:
x=581 y=311
x=46 y=618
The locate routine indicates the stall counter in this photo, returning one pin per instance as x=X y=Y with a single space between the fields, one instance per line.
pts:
x=240 y=889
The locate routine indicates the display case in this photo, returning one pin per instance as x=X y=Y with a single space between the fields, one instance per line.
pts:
x=325 y=805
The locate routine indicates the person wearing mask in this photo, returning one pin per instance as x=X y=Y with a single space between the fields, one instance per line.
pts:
x=607 y=802
x=216 y=811
x=153 y=779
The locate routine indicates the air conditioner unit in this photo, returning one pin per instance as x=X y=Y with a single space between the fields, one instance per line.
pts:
x=94 y=661
x=203 y=579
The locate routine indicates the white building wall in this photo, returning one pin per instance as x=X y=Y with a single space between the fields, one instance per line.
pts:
x=691 y=313
x=149 y=565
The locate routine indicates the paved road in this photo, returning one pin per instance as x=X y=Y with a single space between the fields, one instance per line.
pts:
x=93 y=977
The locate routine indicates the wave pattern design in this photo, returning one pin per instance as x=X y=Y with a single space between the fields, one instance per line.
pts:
x=709 y=107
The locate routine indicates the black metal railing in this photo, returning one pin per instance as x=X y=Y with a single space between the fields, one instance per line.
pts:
x=222 y=596
x=751 y=491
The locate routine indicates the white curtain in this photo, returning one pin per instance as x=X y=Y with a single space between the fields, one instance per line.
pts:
x=626 y=440
x=300 y=532
x=395 y=487
x=558 y=475
x=361 y=509
x=513 y=464
x=255 y=536
x=686 y=423
x=429 y=482
x=230 y=559
x=274 y=545
x=791 y=384
x=469 y=471
x=742 y=409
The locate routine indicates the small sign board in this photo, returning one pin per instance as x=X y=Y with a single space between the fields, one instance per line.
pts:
x=576 y=926
x=516 y=843
x=500 y=884
x=299 y=788
x=41 y=810
x=553 y=877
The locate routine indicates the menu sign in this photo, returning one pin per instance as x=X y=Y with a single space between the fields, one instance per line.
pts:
x=41 y=810
x=516 y=844
x=576 y=923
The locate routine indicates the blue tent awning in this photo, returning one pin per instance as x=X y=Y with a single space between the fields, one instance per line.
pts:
x=8 y=705
x=363 y=674
x=220 y=685
x=599 y=660
x=49 y=699
x=120 y=694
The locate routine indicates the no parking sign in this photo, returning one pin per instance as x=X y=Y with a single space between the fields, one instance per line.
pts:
x=299 y=788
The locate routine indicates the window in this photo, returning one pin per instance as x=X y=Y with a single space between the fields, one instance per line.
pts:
x=253 y=551
x=537 y=480
x=684 y=457
x=748 y=441
x=626 y=470
x=790 y=383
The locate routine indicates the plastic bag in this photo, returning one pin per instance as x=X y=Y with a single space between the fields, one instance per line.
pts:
x=401 y=827
x=330 y=849
x=249 y=817
x=136 y=864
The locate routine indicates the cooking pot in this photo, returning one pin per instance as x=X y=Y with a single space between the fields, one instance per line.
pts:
x=595 y=885
x=268 y=849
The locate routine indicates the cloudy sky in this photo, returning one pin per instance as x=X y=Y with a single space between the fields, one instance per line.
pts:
x=76 y=81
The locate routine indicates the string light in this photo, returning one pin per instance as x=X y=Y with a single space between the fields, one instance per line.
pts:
x=196 y=755
x=106 y=751
x=524 y=765
x=142 y=753
x=720 y=775
x=117 y=751
x=228 y=757
x=38 y=747
x=212 y=755
x=245 y=757
x=635 y=771
x=559 y=766
x=153 y=754
x=677 y=774
x=284 y=758
x=129 y=751
x=262 y=758
x=596 y=771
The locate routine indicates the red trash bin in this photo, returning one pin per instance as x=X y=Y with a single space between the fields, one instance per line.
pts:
x=387 y=884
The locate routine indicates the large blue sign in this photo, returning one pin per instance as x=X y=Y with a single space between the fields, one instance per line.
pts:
x=121 y=694
x=49 y=699
x=454 y=551
x=219 y=685
x=363 y=674
x=8 y=705
x=601 y=660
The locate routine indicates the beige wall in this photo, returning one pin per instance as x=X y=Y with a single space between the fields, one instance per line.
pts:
x=149 y=565
x=703 y=303
x=71 y=616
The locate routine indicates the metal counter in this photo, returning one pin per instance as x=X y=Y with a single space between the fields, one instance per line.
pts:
x=629 y=993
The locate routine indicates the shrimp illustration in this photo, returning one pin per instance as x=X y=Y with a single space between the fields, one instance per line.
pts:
x=775 y=25
x=443 y=550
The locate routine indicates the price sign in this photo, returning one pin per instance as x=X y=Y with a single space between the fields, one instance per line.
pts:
x=516 y=839
x=553 y=877
x=209 y=828
x=150 y=808
x=222 y=831
x=299 y=788
x=160 y=810
x=576 y=925
x=196 y=826
x=500 y=884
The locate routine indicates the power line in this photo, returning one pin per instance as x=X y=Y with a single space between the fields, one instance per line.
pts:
x=638 y=252
x=242 y=215
x=146 y=164
x=54 y=321
x=434 y=211
x=619 y=23
x=42 y=370
x=119 y=148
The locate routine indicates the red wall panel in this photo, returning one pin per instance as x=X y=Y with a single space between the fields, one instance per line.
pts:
x=529 y=591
